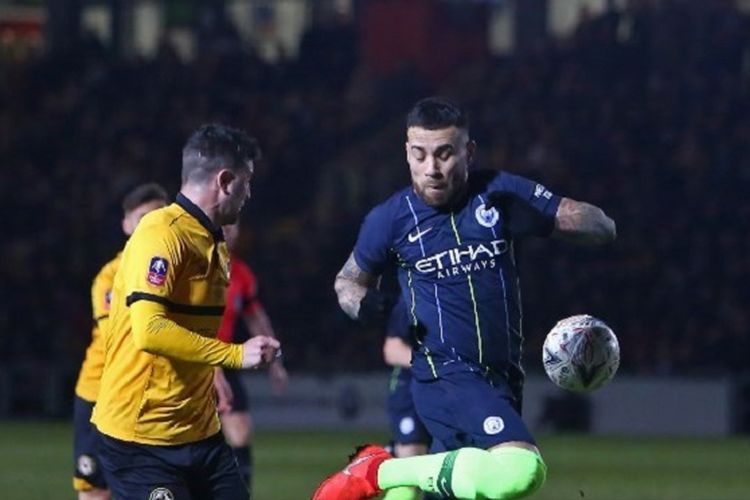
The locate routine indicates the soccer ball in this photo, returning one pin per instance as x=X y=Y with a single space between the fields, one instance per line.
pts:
x=581 y=353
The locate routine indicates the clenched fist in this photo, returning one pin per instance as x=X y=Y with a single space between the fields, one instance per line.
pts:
x=259 y=351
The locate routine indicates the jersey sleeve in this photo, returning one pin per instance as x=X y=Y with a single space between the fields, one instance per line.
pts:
x=153 y=262
x=155 y=333
x=371 y=252
x=529 y=207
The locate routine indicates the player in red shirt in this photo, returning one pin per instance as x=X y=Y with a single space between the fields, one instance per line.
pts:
x=244 y=316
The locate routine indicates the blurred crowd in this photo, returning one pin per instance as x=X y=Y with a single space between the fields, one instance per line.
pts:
x=643 y=111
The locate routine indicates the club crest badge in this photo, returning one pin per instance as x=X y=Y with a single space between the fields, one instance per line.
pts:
x=493 y=425
x=86 y=465
x=157 y=271
x=486 y=218
x=161 y=494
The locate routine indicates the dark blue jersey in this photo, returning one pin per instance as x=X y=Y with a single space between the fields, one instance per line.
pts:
x=457 y=270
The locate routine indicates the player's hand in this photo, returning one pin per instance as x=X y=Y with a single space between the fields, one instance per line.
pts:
x=375 y=308
x=279 y=377
x=224 y=395
x=259 y=351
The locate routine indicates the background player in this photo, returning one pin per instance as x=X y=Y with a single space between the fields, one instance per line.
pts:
x=244 y=316
x=451 y=235
x=410 y=437
x=88 y=478
x=156 y=410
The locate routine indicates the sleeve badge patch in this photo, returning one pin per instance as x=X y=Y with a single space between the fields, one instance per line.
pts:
x=157 y=271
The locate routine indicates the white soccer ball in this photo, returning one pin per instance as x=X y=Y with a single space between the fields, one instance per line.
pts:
x=581 y=353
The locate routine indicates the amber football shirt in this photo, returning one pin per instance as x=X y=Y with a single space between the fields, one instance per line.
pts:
x=167 y=303
x=87 y=386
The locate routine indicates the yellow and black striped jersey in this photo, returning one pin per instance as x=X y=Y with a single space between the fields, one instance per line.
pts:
x=160 y=345
x=87 y=386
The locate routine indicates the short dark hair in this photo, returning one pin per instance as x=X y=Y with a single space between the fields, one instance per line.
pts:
x=434 y=113
x=213 y=147
x=144 y=194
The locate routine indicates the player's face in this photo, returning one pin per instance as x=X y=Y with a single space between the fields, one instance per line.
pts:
x=132 y=218
x=234 y=195
x=439 y=163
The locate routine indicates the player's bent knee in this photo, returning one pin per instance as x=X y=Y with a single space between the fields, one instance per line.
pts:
x=94 y=494
x=409 y=450
x=524 y=469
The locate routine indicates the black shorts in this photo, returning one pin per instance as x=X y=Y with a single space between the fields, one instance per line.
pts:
x=240 y=399
x=203 y=470
x=88 y=473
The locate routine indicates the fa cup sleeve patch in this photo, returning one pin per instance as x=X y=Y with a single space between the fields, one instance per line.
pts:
x=157 y=271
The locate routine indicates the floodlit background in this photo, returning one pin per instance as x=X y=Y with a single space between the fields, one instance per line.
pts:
x=641 y=107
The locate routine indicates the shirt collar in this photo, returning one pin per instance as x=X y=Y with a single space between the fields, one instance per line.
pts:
x=200 y=216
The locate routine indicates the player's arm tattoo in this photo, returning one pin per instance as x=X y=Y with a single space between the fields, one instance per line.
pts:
x=583 y=223
x=351 y=286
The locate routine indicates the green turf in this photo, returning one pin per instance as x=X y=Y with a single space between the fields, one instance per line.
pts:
x=35 y=463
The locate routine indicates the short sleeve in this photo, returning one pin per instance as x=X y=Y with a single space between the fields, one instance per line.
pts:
x=529 y=207
x=372 y=250
x=151 y=262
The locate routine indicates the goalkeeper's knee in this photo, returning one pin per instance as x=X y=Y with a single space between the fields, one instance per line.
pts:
x=524 y=470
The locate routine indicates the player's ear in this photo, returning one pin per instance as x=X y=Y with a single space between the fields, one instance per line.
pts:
x=224 y=179
x=126 y=226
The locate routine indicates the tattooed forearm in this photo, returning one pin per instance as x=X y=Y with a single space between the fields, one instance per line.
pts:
x=350 y=295
x=351 y=286
x=583 y=223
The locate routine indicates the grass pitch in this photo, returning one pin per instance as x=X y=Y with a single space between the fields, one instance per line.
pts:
x=36 y=463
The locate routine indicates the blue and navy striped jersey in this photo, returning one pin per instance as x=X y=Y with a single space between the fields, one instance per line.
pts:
x=457 y=270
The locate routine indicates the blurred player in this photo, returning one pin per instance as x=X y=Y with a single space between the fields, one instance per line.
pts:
x=88 y=479
x=156 y=410
x=451 y=236
x=410 y=437
x=244 y=315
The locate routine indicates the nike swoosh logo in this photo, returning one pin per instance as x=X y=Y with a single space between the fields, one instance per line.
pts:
x=415 y=237
x=443 y=486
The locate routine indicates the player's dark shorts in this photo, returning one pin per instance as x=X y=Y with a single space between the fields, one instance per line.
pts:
x=240 y=400
x=464 y=409
x=88 y=473
x=406 y=426
x=204 y=470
